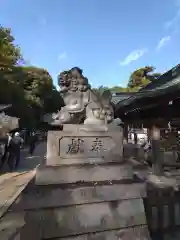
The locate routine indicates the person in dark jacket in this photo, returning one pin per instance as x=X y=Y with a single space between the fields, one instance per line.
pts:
x=33 y=141
x=6 y=140
x=14 y=151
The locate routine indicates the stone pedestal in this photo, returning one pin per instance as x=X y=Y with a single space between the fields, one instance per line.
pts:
x=78 y=144
x=84 y=153
x=86 y=188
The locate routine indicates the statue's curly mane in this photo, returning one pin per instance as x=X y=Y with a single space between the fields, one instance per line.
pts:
x=65 y=78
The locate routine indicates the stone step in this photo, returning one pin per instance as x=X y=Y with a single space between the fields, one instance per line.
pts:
x=92 y=218
x=92 y=223
x=49 y=197
x=56 y=161
x=76 y=220
x=140 y=233
x=46 y=175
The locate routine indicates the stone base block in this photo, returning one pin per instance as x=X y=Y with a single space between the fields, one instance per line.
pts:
x=83 y=144
x=140 y=233
x=91 y=218
x=46 y=175
x=124 y=219
x=53 y=197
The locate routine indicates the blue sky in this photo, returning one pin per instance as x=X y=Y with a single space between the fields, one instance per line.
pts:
x=108 y=39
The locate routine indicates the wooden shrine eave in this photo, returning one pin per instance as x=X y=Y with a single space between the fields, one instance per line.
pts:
x=121 y=96
x=168 y=90
x=166 y=111
x=165 y=78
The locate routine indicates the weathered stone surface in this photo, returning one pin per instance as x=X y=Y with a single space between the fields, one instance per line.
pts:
x=137 y=233
x=82 y=173
x=79 y=219
x=82 y=144
x=12 y=188
x=92 y=218
x=162 y=181
x=24 y=225
x=56 y=197
x=10 y=225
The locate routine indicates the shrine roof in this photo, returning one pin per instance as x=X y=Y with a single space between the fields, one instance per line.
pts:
x=167 y=83
x=164 y=80
x=118 y=97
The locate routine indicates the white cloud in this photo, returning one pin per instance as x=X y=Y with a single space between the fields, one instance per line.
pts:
x=133 y=56
x=163 y=41
x=174 y=21
x=62 y=56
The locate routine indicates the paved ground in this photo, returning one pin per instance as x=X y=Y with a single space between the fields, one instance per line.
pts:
x=12 y=184
x=27 y=162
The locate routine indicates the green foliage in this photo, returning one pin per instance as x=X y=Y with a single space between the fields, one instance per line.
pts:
x=28 y=88
x=141 y=77
x=9 y=53
x=138 y=79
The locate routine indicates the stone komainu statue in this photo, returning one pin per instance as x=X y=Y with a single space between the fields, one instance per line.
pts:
x=82 y=105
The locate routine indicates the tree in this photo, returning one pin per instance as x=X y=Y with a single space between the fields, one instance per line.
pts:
x=40 y=93
x=53 y=101
x=10 y=56
x=141 y=77
x=118 y=89
x=9 y=53
x=29 y=89
x=115 y=89
x=138 y=79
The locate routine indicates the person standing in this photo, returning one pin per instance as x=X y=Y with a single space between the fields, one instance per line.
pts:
x=135 y=137
x=14 y=151
x=33 y=141
x=6 y=149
